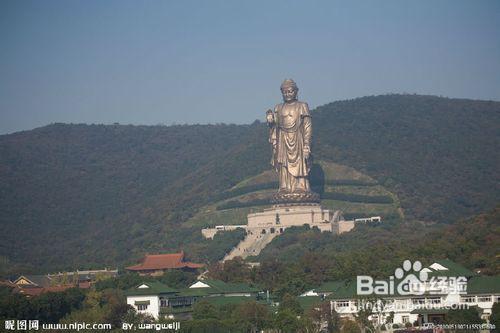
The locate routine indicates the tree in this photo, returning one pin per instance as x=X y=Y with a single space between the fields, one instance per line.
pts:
x=290 y=302
x=93 y=299
x=115 y=308
x=291 y=285
x=204 y=326
x=123 y=282
x=178 y=278
x=364 y=311
x=286 y=321
x=15 y=305
x=87 y=315
x=51 y=307
x=464 y=316
x=235 y=270
x=495 y=317
x=323 y=315
x=205 y=310
x=252 y=315
x=350 y=326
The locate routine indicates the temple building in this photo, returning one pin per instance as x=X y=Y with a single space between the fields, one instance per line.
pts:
x=157 y=264
x=34 y=285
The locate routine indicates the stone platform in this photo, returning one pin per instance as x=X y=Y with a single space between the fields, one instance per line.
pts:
x=262 y=227
x=282 y=216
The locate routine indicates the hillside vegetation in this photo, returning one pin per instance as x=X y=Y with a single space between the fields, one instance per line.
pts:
x=81 y=196
x=473 y=242
x=76 y=196
x=303 y=258
x=439 y=155
x=340 y=187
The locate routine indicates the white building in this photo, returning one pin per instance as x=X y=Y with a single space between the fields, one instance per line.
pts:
x=150 y=297
x=429 y=305
x=158 y=300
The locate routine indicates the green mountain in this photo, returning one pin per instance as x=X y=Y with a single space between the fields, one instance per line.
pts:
x=439 y=155
x=77 y=196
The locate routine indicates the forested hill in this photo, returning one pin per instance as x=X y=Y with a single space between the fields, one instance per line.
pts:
x=75 y=196
x=85 y=195
x=440 y=155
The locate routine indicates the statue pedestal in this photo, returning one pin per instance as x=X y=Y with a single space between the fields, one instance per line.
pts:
x=264 y=226
x=295 y=198
x=281 y=216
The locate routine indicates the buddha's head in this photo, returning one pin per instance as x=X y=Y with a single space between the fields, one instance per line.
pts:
x=289 y=91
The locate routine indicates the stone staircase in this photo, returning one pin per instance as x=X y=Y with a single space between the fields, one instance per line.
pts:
x=250 y=246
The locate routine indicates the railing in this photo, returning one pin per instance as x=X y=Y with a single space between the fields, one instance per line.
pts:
x=177 y=309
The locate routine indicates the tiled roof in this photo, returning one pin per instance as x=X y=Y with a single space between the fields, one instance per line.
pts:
x=151 y=288
x=7 y=284
x=163 y=261
x=483 y=285
x=38 y=280
x=195 y=292
x=217 y=287
x=56 y=289
x=453 y=269
x=31 y=290
x=475 y=285
x=85 y=275
x=346 y=290
x=230 y=300
x=221 y=287
x=84 y=284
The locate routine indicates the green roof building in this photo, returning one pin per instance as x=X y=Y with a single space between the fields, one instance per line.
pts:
x=159 y=300
x=447 y=285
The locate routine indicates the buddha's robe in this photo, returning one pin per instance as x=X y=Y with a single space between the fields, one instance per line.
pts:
x=290 y=134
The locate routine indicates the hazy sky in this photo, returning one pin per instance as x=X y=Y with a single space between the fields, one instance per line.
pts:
x=151 y=62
